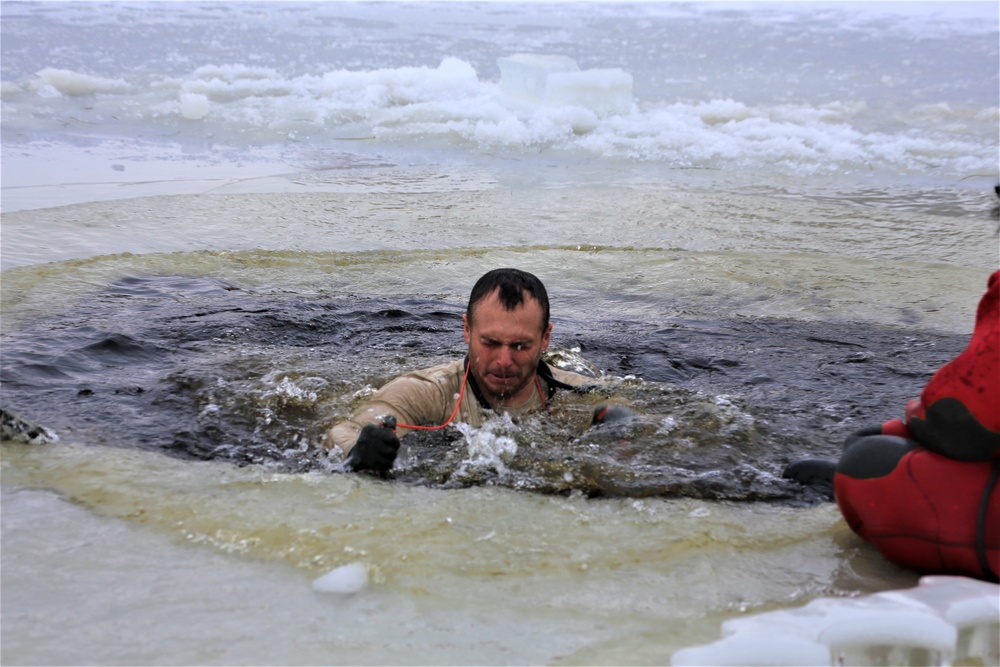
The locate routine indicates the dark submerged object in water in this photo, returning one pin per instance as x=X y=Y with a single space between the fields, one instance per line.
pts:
x=196 y=368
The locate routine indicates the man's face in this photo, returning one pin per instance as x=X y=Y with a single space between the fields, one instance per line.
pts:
x=505 y=347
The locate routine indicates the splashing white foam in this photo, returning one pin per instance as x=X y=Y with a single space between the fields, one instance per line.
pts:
x=489 y=447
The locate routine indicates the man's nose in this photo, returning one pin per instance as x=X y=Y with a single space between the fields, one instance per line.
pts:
x=505 y=357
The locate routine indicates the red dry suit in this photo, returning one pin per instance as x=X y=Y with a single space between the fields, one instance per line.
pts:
x=924 y=491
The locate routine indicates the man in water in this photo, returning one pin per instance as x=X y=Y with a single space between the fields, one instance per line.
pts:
x=507 y=329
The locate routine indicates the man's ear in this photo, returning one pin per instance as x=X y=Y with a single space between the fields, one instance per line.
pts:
x=546 y=337
x=467 y=330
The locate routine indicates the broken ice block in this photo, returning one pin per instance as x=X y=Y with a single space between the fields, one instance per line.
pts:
x=554 y=81
x=525 y=76
x=945 y=620
x=348 y=579
x=607 y=92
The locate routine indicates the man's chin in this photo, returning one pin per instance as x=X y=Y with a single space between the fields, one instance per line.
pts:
x=502 y=391
x=499 y=391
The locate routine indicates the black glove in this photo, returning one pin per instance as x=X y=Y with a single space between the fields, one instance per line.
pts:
x=816 y=473
x=375 y=449
x=606 y=414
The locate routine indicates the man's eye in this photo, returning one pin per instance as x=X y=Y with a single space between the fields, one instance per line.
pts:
x=517 y=347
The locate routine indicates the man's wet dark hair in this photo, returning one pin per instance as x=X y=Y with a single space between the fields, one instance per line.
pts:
x=513 y=285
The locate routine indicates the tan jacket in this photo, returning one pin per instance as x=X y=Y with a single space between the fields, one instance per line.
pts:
x=427 y=398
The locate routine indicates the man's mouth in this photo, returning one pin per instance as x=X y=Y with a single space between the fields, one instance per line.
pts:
x=502 y=379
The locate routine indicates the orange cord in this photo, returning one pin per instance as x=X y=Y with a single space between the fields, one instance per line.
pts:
x=458 y=404
x=461 y=393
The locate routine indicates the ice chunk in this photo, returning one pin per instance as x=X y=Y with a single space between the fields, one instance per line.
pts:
x=889 y=627
x=68 y=82
x=555 y=81
x=944 y=620
x=525 y=76
x=347 y=579
x=972 y=606
x=194 y=106
x=607 y=92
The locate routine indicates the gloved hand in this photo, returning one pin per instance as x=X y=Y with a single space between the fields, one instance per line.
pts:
x=606 y=414
x=376 y=447
x=817 y=473
x=867 y=453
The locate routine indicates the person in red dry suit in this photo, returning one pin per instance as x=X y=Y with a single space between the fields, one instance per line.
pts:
x=924 y=490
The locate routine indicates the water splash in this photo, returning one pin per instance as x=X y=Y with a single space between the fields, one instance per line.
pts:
x=490 y=448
